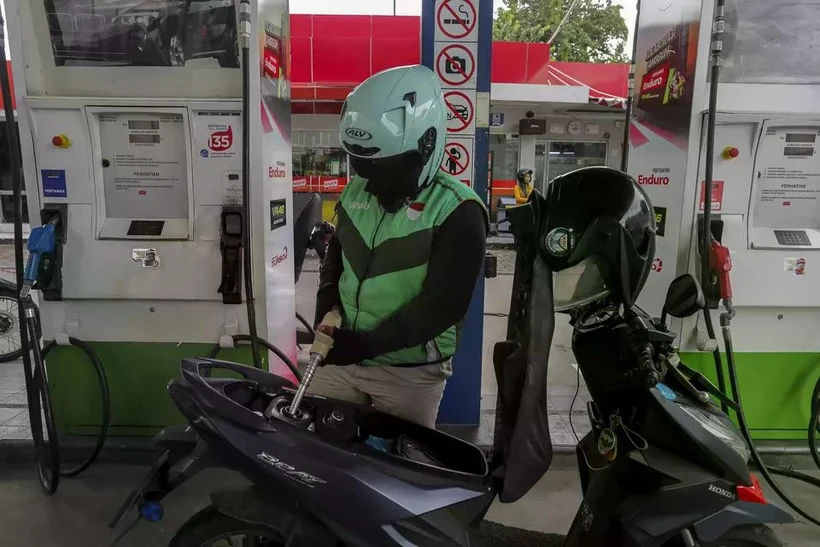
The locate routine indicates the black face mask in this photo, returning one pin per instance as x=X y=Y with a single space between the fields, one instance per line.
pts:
x=393 y=181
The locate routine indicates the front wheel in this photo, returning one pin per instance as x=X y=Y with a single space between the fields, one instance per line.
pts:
x=758 y=535
x=210 y=528
x=11 y=348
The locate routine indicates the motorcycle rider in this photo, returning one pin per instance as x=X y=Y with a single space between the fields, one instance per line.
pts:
x=408 y=249
x=523 y=186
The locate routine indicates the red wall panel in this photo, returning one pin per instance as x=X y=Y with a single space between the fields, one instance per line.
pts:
x=343 y=50
x=396 y=27
x=338 y=60
x=342 y=26
x=392 y=52
x=538 y=59
x=301 y=59
x=301 y=26
x=509 y=62
x=608 y=78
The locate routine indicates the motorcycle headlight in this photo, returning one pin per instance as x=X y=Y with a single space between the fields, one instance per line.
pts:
x=724 y=431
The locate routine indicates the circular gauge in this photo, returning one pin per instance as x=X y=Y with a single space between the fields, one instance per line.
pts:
x=574 y=127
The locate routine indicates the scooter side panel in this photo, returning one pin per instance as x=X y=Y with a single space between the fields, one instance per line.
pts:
x=352 y=498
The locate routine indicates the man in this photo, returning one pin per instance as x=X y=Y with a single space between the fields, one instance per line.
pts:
x=523 y=186
x=408 y=249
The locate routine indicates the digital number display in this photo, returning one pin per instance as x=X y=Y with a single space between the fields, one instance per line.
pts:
x=136 y=138
x=143 y=124
x=798 y=151
x=800 y=137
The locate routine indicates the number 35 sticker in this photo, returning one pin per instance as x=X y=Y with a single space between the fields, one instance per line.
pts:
x=220 y=141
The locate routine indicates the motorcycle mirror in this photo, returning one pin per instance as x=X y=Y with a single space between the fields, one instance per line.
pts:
x=684 y=297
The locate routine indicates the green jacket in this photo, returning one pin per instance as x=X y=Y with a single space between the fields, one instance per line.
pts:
x=385 y=259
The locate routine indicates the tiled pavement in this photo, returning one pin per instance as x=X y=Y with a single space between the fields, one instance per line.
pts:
x=14 y=421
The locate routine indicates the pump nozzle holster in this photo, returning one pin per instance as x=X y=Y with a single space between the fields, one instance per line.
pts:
x=230 y=245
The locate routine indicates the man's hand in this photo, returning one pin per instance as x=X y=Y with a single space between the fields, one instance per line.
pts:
x=349 y=347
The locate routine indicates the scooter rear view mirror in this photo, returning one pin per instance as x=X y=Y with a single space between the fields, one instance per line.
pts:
x=684 y=297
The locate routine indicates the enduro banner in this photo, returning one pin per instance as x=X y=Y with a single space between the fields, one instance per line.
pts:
x=665 y=74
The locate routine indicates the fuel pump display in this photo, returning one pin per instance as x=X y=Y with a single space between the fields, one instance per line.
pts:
x=145 y=174
x=786 y=210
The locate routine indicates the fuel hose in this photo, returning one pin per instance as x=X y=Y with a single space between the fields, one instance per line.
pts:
x=267 y=345
x=247 y=255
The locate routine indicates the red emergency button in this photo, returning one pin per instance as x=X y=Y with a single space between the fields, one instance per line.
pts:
x=61 y=141
x=730 y=152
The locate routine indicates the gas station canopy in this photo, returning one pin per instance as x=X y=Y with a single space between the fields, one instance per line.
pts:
x=334 y=53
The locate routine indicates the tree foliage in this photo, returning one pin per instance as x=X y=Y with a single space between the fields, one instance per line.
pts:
x=594 y=32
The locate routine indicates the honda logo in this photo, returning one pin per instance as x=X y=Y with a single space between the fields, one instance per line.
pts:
x=358 y=134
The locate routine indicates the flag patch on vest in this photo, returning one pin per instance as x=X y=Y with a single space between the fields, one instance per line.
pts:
x=414 y=210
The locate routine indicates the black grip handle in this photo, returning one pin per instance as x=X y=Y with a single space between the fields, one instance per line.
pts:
x=646 y=364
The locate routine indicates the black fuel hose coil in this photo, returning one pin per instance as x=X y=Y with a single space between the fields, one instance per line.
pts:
x=814 y=424
x=105 y=394
x=264 y=343
x=102 y=379
x=40 y=410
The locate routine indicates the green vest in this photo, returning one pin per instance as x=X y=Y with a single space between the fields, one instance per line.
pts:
x=385 y=260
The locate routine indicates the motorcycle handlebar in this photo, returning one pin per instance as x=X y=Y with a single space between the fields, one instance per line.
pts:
x=646 y=364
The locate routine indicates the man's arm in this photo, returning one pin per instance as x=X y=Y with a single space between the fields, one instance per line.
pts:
x=328 y=294
x=455 y=264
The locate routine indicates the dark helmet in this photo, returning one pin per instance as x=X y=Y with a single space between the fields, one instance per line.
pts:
x=521 y=174
x=598 y=237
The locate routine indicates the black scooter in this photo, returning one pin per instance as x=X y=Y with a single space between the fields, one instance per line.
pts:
x=662 y=466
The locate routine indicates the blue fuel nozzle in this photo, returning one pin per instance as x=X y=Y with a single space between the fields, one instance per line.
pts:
x=42 y=240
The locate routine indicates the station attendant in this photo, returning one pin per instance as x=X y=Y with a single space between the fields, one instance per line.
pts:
x=407 y=251
x=523 y=186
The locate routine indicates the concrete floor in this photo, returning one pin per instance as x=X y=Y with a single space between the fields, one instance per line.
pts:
x=77 y=516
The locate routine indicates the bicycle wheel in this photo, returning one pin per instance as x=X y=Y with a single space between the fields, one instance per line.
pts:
x=11 y=347
x=41 y=416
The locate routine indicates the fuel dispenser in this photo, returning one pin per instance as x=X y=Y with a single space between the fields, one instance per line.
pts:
x=133 y=144
x=765 y=199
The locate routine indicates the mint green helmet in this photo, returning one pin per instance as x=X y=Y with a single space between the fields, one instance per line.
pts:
x=397 y=112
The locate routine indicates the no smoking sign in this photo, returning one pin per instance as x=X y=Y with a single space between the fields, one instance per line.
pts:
x=460 y=111
x=456 y=64
x=456 y=20
x=458 y=159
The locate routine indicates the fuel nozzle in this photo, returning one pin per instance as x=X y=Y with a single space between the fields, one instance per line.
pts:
x=720 y=262
x=41 y=241
x=322 y=343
